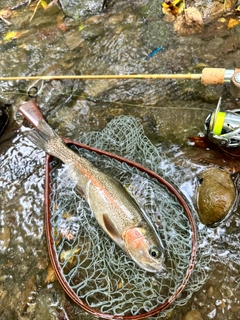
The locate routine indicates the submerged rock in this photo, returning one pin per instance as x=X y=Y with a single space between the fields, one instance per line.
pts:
x=193 y=315
x=76 y=9
x=215 y=195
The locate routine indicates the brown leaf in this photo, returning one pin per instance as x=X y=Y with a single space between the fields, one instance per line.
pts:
x=5 y=13
x=232 y=23
x=62 y=26
x=201 y=142
x=190 y=22
x=229 y=4
x=51 y=275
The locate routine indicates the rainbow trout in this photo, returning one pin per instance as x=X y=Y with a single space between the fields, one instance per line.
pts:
x=115 y=210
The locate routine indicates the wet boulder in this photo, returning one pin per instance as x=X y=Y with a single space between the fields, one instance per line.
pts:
x=76 y=9
x=215 y=195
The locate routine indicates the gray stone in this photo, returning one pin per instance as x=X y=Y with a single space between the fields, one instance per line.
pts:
x=76 y=9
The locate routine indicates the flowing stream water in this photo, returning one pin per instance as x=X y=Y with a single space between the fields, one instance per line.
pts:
x=84 y=39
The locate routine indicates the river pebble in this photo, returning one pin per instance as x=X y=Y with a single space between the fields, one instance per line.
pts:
x=215 y=195
x=193 y=315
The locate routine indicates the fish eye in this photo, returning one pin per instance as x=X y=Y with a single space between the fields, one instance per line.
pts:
x=154 y=252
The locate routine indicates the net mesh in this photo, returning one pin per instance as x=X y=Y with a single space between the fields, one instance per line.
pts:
x=95 y=268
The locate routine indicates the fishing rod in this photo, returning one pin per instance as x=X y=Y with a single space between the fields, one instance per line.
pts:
x=222 y=127
x=111 y=76
x=209 y=76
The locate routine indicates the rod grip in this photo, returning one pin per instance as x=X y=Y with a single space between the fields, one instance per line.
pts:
x=213 y=76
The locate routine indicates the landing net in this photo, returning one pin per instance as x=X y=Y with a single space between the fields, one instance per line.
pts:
x=93 y=266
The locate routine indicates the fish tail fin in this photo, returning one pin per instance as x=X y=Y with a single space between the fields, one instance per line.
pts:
x=38 y=138
x=49 y=141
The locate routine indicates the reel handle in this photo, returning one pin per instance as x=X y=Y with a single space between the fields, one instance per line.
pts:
x=235 y=84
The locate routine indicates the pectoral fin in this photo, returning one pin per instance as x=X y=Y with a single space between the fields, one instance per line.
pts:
x=112 y=230
x=79 y=191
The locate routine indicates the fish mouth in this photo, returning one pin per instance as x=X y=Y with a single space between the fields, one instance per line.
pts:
x=148 y=264
x=153 y=267
x=160 y=270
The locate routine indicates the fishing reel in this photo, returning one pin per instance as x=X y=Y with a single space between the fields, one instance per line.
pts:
x=223 y=128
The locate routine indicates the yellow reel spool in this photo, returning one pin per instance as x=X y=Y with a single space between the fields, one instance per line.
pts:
x=218 y=122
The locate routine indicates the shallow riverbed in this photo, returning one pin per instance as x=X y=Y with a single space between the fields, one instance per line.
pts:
x=117 y=40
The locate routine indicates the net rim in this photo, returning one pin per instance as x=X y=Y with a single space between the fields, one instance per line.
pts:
x=52 y=253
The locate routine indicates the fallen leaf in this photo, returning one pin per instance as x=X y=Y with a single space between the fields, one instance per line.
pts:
x=44 y=4
x=81 y=27
x=5 y=13
x=232 y=23
x=201 y=142
x=12 y=35
x=120 y=284
x=38 y=5
x=69 y=255
x=51 y=275
x=62 y=26
x=237 y=10
x=66 y=234
x=229 y=4
x=174 y=7
x=222 y=20
x=190 y=22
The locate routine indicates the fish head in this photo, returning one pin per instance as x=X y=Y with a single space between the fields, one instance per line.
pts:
x=144 y=248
